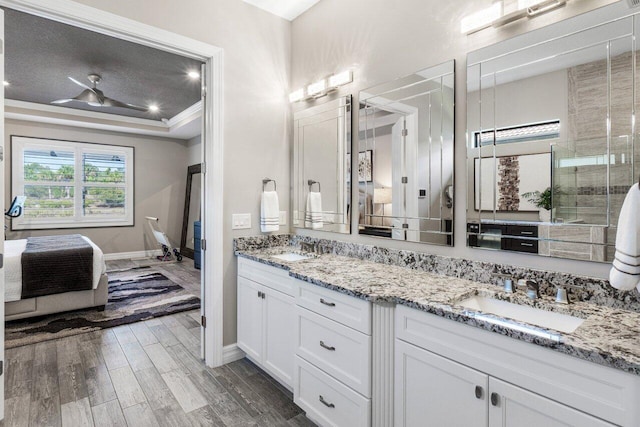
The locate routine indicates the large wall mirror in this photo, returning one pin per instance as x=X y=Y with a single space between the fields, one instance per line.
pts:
x=551 y=142
x=405 y=158
x=322 y=143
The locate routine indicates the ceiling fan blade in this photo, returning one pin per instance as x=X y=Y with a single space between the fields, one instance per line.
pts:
x=109 y=102
x=82 y=85
x=62 y=101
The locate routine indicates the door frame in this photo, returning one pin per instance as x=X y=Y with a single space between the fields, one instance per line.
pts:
x=100 y=21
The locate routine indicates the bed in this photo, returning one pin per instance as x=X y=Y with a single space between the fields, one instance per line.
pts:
x=17 y=307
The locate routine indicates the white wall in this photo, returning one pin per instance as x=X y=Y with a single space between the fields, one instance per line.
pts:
x=160 y=171
x=257 y=115
x=382 y=40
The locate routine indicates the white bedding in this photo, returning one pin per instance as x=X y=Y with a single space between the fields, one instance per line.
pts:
x=13 y=267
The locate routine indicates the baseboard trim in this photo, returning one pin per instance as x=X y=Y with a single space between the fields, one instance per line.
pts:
x=231 y=353
x=132 y=255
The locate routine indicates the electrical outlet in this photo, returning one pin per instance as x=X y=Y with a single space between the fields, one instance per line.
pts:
x=240 y=221
x=283 y=217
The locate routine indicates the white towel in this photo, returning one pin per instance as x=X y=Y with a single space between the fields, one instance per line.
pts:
x=625 y=273
x=269 y=212
x=313 y=214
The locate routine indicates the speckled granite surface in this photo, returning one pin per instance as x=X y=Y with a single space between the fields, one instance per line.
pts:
x=583 y=288
x=609 y=336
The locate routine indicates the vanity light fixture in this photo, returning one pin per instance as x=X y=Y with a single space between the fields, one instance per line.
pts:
x=317 y=89
x=482 y=19
x=193 y=74
x=153 y=108
x=5 y=83
x=506 y=11
x=340 y=79
x=322 y=87
x=296 y=96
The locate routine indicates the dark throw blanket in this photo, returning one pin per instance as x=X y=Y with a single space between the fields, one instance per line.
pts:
x=56 y=264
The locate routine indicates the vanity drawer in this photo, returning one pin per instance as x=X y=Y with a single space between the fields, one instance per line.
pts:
x=520 y=245
x=272 y=277
x=349 y=311
x=521 y=230
x=327 y=401
x=340 y=351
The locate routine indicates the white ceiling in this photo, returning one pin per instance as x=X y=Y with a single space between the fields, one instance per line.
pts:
x=287 y=9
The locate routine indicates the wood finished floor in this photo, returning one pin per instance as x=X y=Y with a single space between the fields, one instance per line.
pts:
x=144 y=374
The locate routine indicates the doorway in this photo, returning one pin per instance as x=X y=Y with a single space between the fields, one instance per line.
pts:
x=212 y=136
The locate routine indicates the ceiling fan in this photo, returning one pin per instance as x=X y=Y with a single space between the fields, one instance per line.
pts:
x=95 y=97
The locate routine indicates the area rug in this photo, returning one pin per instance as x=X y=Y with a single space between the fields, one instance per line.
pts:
x=134 y=295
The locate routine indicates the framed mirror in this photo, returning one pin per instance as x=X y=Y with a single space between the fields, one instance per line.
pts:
x=405 y=158
x=321 y=188
x=551 y=143
x=192 y=210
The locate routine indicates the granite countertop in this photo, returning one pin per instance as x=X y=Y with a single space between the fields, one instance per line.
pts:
x=608 y=336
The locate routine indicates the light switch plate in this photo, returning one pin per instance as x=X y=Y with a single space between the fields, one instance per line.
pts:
x=240 y=221
x=283 y=217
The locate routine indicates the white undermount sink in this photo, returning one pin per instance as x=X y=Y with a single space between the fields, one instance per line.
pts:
x=292 y=256
x=522 y=313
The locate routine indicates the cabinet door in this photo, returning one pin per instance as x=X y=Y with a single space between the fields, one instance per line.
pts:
x=250 y=322
x=512 y=406
x=279 y=337
x=433 y=391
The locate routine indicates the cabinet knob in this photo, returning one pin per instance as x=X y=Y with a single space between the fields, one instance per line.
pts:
x=495 y=399
x=325 y=403
x=479 y=392
x=259 y=294
x=330 y=304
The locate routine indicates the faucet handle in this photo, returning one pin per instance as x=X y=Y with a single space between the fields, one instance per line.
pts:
x=507 y=282
x=561 y=295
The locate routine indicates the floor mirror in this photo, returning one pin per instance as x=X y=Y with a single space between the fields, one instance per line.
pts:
x=191 y=211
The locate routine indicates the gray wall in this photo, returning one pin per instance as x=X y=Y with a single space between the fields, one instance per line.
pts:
x=194 y=153
x=160 y=179
x=257 y=115
x=382 y=40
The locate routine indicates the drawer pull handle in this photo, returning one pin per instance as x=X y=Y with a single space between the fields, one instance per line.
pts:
x=479 y=392
x=323 y=345
x=325 y=403
x=526 y=244
x=526 y=233
x=330 y=304
x=495 y=399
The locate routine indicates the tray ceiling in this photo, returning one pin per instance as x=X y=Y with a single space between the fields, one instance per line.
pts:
x=40 y=54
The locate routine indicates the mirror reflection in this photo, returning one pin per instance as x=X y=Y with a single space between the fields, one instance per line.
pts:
x=551 y=142
x=322 y=141
x=405 y=158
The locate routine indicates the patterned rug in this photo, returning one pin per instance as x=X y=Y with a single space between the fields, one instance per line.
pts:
x=134 y=295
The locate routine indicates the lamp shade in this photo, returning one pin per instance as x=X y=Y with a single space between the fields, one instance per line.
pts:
x=382 y=196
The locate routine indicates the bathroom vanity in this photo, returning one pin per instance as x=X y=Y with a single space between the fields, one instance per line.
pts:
x=363 y=343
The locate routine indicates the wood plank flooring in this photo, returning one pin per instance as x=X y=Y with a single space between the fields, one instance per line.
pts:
x=144 y=374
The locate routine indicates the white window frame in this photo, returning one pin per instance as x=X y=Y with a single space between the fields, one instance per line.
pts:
x=18 y=146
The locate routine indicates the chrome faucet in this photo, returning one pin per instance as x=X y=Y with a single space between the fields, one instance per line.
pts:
x=533 y=289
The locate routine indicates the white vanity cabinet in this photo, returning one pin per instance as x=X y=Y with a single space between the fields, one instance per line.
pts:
x=436 y=391
x=333 y=357
x=448 y=373
x=266 y=318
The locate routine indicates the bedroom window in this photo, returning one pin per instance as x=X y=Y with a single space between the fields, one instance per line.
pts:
x=71 y=184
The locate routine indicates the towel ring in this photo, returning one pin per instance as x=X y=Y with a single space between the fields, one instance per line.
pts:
x=311 y=182
x=266 y=181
